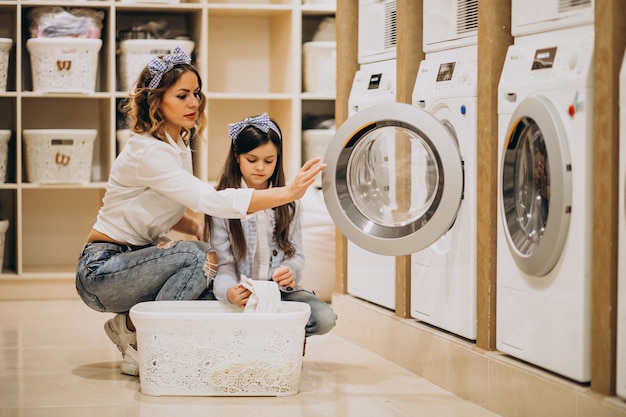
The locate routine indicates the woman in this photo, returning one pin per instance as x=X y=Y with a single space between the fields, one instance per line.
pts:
x=128 y=257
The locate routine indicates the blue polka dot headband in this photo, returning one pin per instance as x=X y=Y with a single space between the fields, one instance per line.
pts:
x=159 y=66
x=261 y=122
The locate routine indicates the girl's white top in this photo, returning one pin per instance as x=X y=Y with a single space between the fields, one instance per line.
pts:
x=150 y=185
x=230 y=271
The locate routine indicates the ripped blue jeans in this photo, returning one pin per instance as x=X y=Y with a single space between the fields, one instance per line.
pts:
x=113 y=278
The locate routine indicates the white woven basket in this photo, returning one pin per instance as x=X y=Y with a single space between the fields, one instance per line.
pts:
x=315 y=143
x=320 y=67
x=68 y=65
x=5 y=136
x=209 y=348
x=4 y=226
x=151 y=1
x=5 y=49
x=59 y=156
x=135 y=54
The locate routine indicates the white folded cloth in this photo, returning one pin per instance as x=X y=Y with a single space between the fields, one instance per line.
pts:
x=265 y=297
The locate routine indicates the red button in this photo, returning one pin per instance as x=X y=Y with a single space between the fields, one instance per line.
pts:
x=571 y=110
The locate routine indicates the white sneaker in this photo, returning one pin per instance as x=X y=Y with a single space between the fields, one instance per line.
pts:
x=124 y=339
x=130 y=364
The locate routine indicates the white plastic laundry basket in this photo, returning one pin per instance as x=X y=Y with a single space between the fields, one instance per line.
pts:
x=5 y=49
x=64 y=64
x=209 y=348
x=61 y=156
x=135 y=54
x=5 y=136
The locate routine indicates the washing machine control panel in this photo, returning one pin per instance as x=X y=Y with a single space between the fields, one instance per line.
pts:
x=564 y=60
x=373 y=84
x=445 y=77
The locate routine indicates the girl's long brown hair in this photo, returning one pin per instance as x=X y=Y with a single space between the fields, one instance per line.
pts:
x=249 y=139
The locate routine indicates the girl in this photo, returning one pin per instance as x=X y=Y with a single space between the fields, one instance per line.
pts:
x=267 y=245
x=128 y=257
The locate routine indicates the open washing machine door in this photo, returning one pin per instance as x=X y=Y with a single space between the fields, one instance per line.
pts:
x=394 y=179
x=536 y=186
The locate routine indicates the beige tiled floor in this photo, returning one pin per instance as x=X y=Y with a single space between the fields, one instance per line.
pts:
x=55 y=360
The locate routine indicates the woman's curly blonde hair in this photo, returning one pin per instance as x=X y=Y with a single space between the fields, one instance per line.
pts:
x=142 y=105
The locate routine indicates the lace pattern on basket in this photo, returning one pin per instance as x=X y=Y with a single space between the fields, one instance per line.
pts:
x=237 y=363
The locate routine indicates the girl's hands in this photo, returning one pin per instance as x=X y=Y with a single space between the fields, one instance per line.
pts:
x=305 y=177
x=238 y=295
x=284 y=277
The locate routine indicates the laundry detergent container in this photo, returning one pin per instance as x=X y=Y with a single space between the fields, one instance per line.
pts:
x=210 y=348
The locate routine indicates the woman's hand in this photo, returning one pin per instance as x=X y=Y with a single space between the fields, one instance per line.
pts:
x=305 y=178
x=274 y=197
x=284 y=277
x=238 y=295
x=190 y=226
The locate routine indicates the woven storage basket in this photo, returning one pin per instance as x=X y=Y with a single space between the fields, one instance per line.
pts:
x=67 y=65
x=4 y=226
x=320 y=67
x=5 y=49
x=59 y=155
x=5 y=136
x=135 y=54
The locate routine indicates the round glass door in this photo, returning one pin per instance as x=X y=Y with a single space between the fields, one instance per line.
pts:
x=374 y=172
x=536 y=186
x=394 y=180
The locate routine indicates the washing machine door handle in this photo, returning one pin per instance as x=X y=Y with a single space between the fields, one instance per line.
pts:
x=394 y=179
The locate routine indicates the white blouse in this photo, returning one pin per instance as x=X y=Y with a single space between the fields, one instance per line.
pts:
x=150 y=185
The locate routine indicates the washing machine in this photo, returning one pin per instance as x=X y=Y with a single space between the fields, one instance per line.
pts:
x=372 y=276
x=537 y=16
x=443 y=276
x=393 y=183
x=621 y=274
x=449 y=24
x=544 y=222
x=377 y=31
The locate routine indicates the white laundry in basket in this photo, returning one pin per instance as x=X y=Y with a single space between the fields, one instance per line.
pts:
x=265 y=297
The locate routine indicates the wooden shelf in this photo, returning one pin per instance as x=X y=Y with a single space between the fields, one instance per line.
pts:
x=249 y=56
